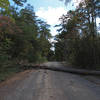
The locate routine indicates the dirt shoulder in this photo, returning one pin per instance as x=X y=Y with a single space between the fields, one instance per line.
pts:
x=17 y=76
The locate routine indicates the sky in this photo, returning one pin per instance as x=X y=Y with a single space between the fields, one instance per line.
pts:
x=51 y=10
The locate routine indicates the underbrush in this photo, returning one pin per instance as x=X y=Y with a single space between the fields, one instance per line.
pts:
x=8 y=69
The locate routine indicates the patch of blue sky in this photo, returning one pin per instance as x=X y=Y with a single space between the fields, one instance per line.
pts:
x=45 y=3
x=50 y=11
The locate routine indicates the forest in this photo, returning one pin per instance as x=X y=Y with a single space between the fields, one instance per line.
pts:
x=78 y=41
x=25 y=38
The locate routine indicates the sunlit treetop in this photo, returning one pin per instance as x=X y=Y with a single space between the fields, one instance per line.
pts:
x=4 y=4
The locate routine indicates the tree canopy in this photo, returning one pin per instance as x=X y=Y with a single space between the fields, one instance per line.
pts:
x=23 y=36
x=78 y=40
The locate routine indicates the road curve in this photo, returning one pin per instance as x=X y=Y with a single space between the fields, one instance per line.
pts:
x=50 y=85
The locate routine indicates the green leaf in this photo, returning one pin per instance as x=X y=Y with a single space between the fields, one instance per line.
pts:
x=4 y=4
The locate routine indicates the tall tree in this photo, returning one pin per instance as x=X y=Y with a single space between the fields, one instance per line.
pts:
x=20 y=2
x=78 y=33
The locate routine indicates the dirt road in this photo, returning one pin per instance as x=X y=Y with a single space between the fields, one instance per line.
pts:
x=49 y=85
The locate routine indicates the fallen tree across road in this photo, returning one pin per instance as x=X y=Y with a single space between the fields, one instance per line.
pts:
x=63 y=69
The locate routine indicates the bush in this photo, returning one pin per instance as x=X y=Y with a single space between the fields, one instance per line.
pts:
x=85 y=53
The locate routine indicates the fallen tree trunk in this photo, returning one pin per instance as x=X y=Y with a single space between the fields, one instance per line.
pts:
x=68 y=70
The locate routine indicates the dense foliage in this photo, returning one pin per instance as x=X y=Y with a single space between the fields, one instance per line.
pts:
x=24 y=38
x=79 y=39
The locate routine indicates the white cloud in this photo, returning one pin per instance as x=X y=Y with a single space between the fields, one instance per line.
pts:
x=98 y=24
x=98 y=21
x=53 y=31
x=51 y=16
x=76 y=2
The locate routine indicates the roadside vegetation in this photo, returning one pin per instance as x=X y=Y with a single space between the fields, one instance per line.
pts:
x=24 y=38
x=78 y=41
